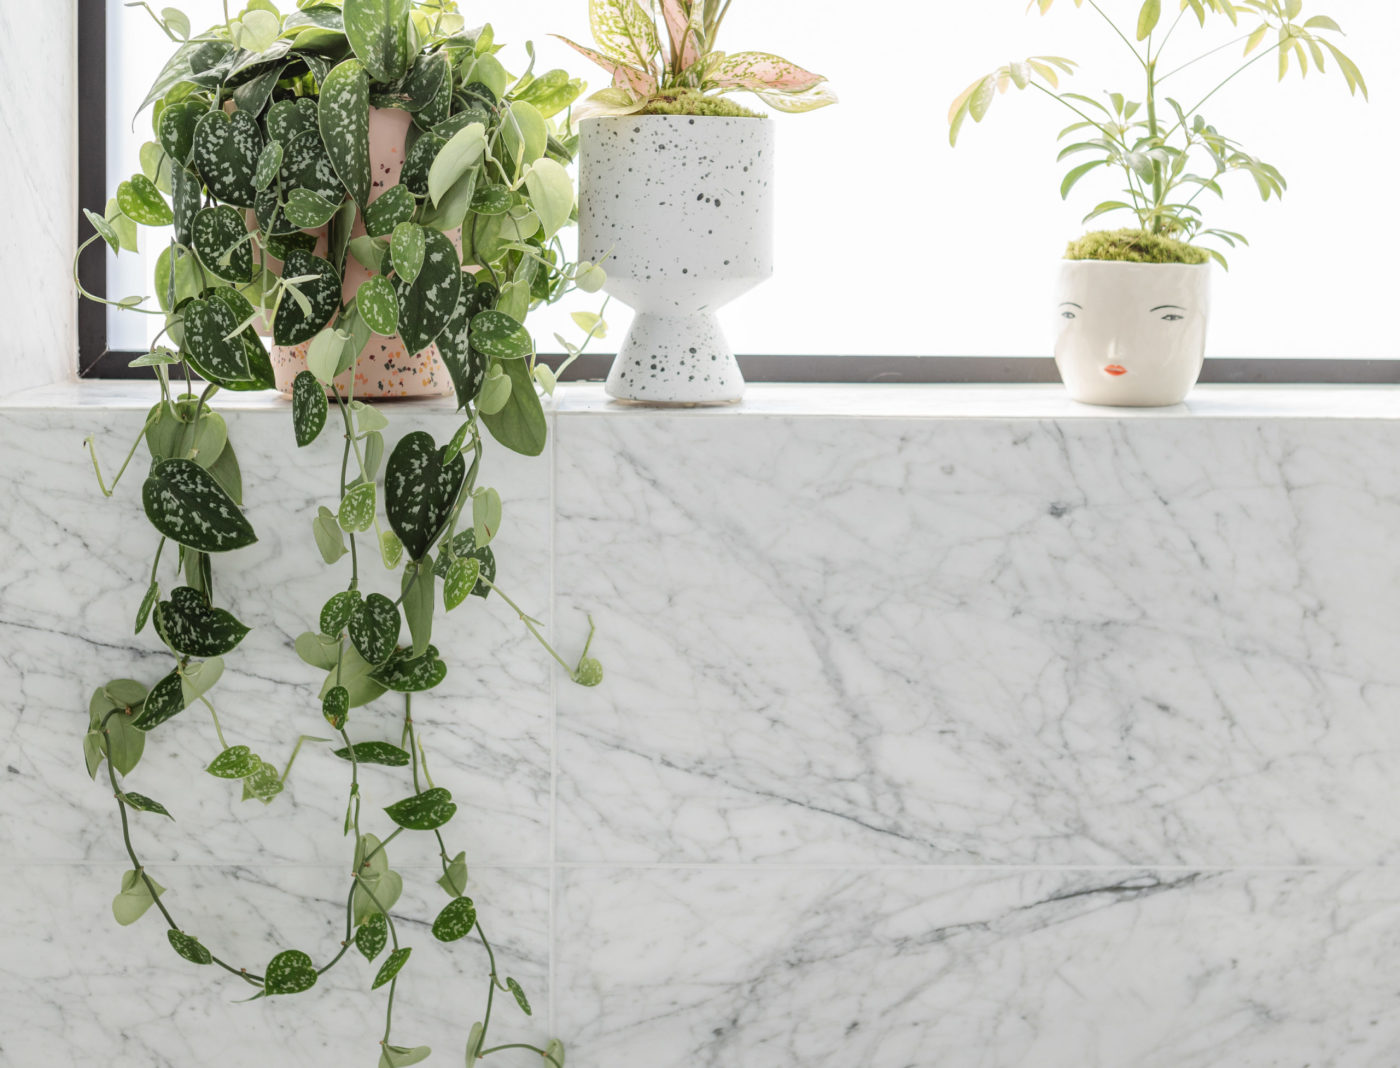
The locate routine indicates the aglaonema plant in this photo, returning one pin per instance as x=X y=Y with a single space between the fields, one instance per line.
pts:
x=1165 y=152
x=260 y=163
x=686 y=75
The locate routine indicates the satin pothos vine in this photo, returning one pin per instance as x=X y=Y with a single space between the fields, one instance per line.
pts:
x=260 y=164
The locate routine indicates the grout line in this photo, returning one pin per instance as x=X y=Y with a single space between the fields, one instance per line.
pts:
x=553 y=715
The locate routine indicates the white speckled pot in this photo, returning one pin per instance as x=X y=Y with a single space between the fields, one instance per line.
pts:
x=679 y=209
x=1131 y=335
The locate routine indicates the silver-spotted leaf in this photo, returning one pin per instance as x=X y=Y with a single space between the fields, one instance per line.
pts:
x=337 y=612
x=309 y=408
x=420 y=491
x=222 y=244
x=520 y=998
x=374 y=629
x=147 y=603
x=378 y=31
x=455 y=921
x=404 y=673
x=393 y=206
x=235 y=762
x=344 y=122
x=427 y=305
x=290 y=972
x=188 y=947
x=309 y=209
x=391 y=967
x=390 y=756
x=226 y=151
x=407 y=246
x=192 y=627
x=462 y=577
x=140 y=201
x=501 y=337
x=208 y=347
x=292 y=325
x=263 y=784
x=186 y=504
x=379 y=305
x=357 y=508
x=166 y=699
x=269 y=163
x=465 y=362
x=372 y=935
x=176 y=128
x=142 y=803
x=423 y=812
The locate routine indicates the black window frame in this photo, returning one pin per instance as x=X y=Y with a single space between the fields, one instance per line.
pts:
x=96 y=360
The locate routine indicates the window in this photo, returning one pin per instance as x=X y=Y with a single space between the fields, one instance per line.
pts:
x=892 y=244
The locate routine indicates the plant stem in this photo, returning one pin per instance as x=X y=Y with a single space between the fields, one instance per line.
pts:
x=1202 y=56
x=219 y=730
x=1192 y=110
x=1131 y=47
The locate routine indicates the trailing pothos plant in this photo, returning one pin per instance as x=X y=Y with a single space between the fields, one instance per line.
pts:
x=260 y=163
x=1167 y=154
x=688 y=76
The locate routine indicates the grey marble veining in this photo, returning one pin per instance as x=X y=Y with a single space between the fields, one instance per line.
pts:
x=38 y=124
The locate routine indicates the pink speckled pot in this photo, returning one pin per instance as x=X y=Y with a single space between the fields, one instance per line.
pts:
x=384 y=369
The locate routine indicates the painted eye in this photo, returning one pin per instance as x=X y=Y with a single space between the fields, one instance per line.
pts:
x=1069 y=315
x=1172 y=317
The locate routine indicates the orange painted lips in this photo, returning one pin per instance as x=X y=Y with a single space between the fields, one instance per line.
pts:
x=1116 y=369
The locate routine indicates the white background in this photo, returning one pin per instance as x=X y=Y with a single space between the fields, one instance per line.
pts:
x=892 y=243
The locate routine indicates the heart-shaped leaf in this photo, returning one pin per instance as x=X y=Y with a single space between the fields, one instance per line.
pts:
x=291 y=325
x=407 y=246
x=335 y=706
x=344 y=122
x=309 y=210
x=393 y=206
x=378 y=31
x=208 y=347
x=418 y=161
x=465 y=362
x=357 y=508
x=390 y=756
x=290 y=972
x=289 y=119
x=189 y=947
x=221 y=241
x=269 y=163
x=307 y=165
x=226 y=151
x=166 y=700
x=185 y=503
x=338 y=611
x=501 y=337
x=135 y=897
x=520 y=425
x=372 y=935
x=405 y=674
x=329 y=540
x=235 y=762
x=309 y=408
x=379 y=305
x=420 y=491
x=455 y=921
x=374 y=630
x=260 y=374
x=391 y=967
x=403 y=1056
x=191 y=627
x=177 y=125
x=140 y=201
x=423 y=812
x=462 y=576
x=263 y=784
x=464 y=547
x=454 y=880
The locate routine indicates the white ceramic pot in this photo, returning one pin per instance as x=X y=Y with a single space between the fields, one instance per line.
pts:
x=1131 y=334
x=679 y=210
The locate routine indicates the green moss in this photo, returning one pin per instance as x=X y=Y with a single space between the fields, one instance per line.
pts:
x=1134 y=246
x=694 y=102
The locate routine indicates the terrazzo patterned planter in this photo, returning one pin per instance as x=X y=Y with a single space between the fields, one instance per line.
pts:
x=384 y=368
x=679 y=210
x=1131 y=335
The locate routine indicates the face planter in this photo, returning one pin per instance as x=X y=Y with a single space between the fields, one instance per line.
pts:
x=679 y=211
x=1131 y=334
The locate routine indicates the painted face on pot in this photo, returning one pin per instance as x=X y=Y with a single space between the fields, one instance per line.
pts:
x=1131 y=333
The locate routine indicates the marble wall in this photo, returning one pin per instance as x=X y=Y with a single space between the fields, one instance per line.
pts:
x=941 y=728
x=39 y=184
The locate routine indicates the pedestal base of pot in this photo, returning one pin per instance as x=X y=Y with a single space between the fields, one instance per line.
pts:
x=676 y=360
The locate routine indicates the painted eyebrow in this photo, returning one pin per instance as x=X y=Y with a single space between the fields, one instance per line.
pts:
x=1160 y=307
x=1070 y=303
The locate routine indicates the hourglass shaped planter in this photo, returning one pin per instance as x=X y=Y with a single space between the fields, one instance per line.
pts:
x=679 y=211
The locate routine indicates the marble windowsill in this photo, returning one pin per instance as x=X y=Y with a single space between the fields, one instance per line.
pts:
x=862 y=401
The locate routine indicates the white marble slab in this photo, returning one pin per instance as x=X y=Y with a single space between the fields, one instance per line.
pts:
x=38 y=124
x=80 y=990
x=979 y=969
x=74 y=567
x=995 y=641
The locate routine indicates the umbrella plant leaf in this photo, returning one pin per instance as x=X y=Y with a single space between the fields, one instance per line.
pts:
x=344 y=118
x=423 y=812
x=391 y=967
x=455 y=921
x=374 y=630
x=309 y=408
x=404 y=673
x=291 y=325
x=420 y=491
x=189 y=947
x=393 y=206
x=290 y=972
x=378 y=31
x=222 y=243
x=189 y=625
x=372 y=935
x=390 y=756
x=185 y=503
x=427 y=304
x=226 y=151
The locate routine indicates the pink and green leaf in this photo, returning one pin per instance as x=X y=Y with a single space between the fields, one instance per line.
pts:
x=621 y=28
x=761 y=71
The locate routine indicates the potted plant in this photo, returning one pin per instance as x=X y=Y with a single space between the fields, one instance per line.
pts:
x=676 y=188
x=1132 y=305
x=264 y=163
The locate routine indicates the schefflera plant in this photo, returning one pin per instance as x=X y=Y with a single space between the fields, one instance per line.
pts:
x=687 y=75
x=1167 y=154
x=260 y=165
